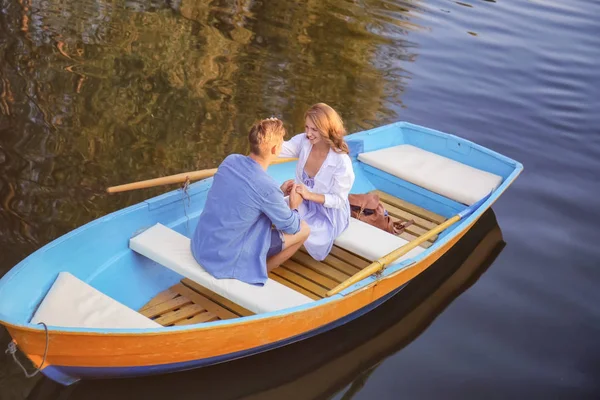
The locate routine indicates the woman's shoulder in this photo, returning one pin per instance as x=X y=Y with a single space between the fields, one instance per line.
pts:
x=342 y=161
x=341 y=158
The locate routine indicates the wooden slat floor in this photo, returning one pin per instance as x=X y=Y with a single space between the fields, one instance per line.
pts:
x=189 y=303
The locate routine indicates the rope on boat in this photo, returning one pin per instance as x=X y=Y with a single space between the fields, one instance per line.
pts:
x=12 y=350
x=186 y=195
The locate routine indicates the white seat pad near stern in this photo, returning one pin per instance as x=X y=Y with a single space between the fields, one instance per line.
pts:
x=73 y=303
x=441 y=175
x=372 y=243
x=172 y=250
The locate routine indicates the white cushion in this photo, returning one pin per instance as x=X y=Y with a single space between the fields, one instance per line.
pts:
x=172 y=250
x=431 y=171
x=71 y=302
x=372 y=243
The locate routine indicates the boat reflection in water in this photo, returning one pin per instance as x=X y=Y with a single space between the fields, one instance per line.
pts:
x=341 y=359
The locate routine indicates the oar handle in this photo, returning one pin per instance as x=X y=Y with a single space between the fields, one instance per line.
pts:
x=178 y=178
x=378 y=265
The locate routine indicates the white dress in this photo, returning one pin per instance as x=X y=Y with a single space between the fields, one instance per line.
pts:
x=334 y=180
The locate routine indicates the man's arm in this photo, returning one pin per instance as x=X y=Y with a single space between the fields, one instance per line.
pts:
x=281 y=215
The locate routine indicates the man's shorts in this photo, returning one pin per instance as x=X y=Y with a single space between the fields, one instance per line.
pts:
x=276 y=243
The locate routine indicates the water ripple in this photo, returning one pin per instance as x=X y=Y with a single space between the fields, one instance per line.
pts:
x=95 y=93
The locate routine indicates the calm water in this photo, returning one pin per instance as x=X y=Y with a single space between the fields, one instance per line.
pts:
x=96 y=93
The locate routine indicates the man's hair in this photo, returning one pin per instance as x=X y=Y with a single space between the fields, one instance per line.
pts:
x=264 y=132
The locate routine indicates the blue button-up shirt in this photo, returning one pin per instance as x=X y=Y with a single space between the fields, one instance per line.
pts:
x=233 y=234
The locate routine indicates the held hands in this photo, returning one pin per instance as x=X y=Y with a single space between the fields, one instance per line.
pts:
x=307 y=195
x=303 y=191
x=295 y=198
x=297 y=193
x=286 y=187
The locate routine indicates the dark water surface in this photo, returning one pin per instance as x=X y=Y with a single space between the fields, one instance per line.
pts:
x=96 y=93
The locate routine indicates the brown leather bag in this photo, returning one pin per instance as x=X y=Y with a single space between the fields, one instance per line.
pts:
x=368 y=208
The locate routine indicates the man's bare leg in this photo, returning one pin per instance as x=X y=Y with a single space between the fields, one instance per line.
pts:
x=291 y=245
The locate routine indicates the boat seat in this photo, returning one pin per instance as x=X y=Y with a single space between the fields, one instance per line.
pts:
x=73 y=303
x=372 y=243
x=172 y=250
x=441 y=175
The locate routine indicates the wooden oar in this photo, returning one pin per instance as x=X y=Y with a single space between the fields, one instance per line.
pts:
x=380 y=264
x=178 y=178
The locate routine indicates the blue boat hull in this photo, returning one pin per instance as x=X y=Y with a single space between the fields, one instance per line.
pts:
x=87 y=353
x=69 y=375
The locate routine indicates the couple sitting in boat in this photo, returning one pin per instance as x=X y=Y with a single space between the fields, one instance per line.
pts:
x=247 y=227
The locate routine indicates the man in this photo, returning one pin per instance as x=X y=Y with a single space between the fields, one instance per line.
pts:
x=247 y=228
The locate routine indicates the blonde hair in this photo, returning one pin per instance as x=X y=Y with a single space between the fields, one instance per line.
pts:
x=330 y=126
x=264 y=132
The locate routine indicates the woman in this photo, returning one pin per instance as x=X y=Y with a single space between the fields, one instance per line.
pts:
x=324 y=176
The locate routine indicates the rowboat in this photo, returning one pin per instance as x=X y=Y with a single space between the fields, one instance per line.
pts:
x=321 y=366
x=121 y=296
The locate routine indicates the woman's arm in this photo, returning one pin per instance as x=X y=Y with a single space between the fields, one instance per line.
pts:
x=338 y=194
x=343 y=179
x=310 y=196
x=292 y=147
